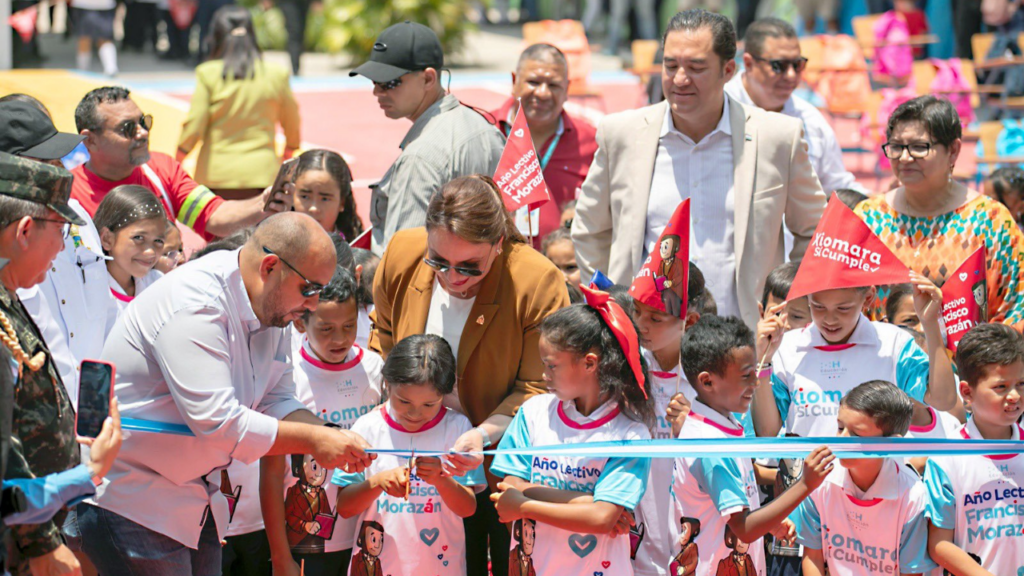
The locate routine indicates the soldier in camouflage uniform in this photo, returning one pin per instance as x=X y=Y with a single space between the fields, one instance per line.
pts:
x=34 y=215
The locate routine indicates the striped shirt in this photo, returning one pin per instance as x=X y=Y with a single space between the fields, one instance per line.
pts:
x=449 y=140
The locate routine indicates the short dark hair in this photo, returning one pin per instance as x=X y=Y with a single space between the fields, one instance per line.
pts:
x=761 y=30
x=850 y=197
x=541 y=52
x=696 y=290
x=778 y=282
x=708 y=345
x=86 y=117
x=892 y=302
x=369 y=261
x=343 y=251
x=341 y=288
x=987 y=345
x=938 y=115
x=1007 y=181
x=722 y=31
x=421 y=359
x=622 y=296
x=575 y=294
x=883 y=402
x=233 y=241
x=556 y=235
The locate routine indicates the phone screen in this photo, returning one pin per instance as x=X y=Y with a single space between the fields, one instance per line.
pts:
x=286 y=175
x=93 y=397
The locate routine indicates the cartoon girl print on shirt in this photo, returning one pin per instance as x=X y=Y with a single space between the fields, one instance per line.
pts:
x=308 y=515
x=685 y=563
x=521 y=563
x=636 y=536
x=739 y=563
x=668 y=278
x=366 y=562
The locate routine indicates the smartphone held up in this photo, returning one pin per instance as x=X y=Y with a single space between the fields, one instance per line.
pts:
x=96 y=387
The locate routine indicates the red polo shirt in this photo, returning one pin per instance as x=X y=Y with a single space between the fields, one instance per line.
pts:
x=565 y=172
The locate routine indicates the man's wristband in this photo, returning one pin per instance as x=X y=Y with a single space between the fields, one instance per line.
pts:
x=486 y=437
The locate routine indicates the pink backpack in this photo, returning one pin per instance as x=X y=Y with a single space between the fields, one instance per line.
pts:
x=893 y=56
x=950 y=83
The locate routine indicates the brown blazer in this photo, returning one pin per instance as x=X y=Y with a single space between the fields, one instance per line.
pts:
x=499 y=363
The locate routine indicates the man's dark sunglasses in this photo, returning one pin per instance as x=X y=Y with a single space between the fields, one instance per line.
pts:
x=781 y=66
x=389 y=85
x=311 y=288
x=129 y=128
x=443 y=268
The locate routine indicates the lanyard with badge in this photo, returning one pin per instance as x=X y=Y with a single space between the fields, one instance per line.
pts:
x=528 y=221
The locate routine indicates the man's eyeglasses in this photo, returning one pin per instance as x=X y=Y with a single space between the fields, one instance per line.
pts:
x=65 y=225
x=129 y=128
x=782 y=65
x=311 y=288
x=916 y=150
x=444 y=267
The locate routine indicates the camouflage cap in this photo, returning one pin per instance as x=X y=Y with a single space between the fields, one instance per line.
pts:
x=38 y=182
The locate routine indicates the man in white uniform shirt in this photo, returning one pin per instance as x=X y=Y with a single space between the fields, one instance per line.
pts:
x=206 y=349
x=651 y=159
x=772 y=65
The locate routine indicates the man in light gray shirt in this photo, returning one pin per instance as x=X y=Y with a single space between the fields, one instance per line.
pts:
x=205 y=351
x=447 y=139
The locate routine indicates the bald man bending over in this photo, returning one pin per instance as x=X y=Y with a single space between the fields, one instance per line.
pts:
x=205 y=350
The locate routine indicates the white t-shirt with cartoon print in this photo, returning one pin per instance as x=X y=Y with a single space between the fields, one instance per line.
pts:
x=419 y=536
x=656 y=532
x=707 y=492
x=545 y=421
x=981 y=498
x=882 y=530
x=811 y=376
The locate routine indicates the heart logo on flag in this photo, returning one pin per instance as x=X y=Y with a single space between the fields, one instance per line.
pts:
x=519 y=175
x=965 y=299
x=519 y=133
x=963 y=276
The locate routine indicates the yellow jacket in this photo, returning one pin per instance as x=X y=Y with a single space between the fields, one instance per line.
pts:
x=237 y=121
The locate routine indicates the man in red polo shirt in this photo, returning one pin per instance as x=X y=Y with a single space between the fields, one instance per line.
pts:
x=565 y=145
x=117 y=138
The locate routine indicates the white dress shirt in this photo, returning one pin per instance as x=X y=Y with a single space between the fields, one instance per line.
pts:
x=70 y=306
x=702 y=172
x=447 y=318
x=822 y=147
x=190 y=350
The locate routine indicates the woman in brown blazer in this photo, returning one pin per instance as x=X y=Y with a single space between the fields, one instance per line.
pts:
x=470 y=277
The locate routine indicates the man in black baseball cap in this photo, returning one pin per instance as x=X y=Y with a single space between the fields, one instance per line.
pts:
x=27 y=131
x=446 y=140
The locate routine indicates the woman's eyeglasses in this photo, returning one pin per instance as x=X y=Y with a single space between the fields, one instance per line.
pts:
x=311 y=288
x=129 y=128
x=444 y=267
x=781 y=65
x=916 y=150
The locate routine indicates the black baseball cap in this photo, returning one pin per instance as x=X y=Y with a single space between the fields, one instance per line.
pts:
x=400 y=49
x=27 y=131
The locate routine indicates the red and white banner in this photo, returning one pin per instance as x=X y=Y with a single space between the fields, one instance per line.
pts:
x=965 y=298
x=519 y=176
x=845 y=253
x=24 y=22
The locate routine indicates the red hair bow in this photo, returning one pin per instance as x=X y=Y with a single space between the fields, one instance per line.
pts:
x=621 y=326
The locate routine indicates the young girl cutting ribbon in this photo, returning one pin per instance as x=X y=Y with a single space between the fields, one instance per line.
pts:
x=570 y=509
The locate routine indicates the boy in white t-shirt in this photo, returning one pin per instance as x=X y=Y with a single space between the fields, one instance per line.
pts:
x=716 y=496
x=339 y=382
x=868 y=515
x=813 y=368
x=976 y=503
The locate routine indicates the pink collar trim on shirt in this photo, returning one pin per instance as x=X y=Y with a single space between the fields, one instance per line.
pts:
x=835 y=347
x=864 y=503
x=586 y=425
x=930 y=427
x=121 y=297
x=394 y=423
x=312 y=359
x=730 y=431
x=967 y=436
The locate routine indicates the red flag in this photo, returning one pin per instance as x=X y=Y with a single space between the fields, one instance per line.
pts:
x=661 y=282
x=24 y=22
x=844 y=253
x=965 y=298
x=362 y=241
x=519 y=176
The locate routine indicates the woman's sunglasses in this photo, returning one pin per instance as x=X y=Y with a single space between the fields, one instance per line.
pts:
x=444 y=268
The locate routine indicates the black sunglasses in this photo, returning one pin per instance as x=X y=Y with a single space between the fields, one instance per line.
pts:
x=782 y=65
x=443 y=268
x=389 y=85
x=311 y=288
x=129 y=128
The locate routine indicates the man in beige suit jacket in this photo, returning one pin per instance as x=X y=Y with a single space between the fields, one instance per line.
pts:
x=773 y=186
